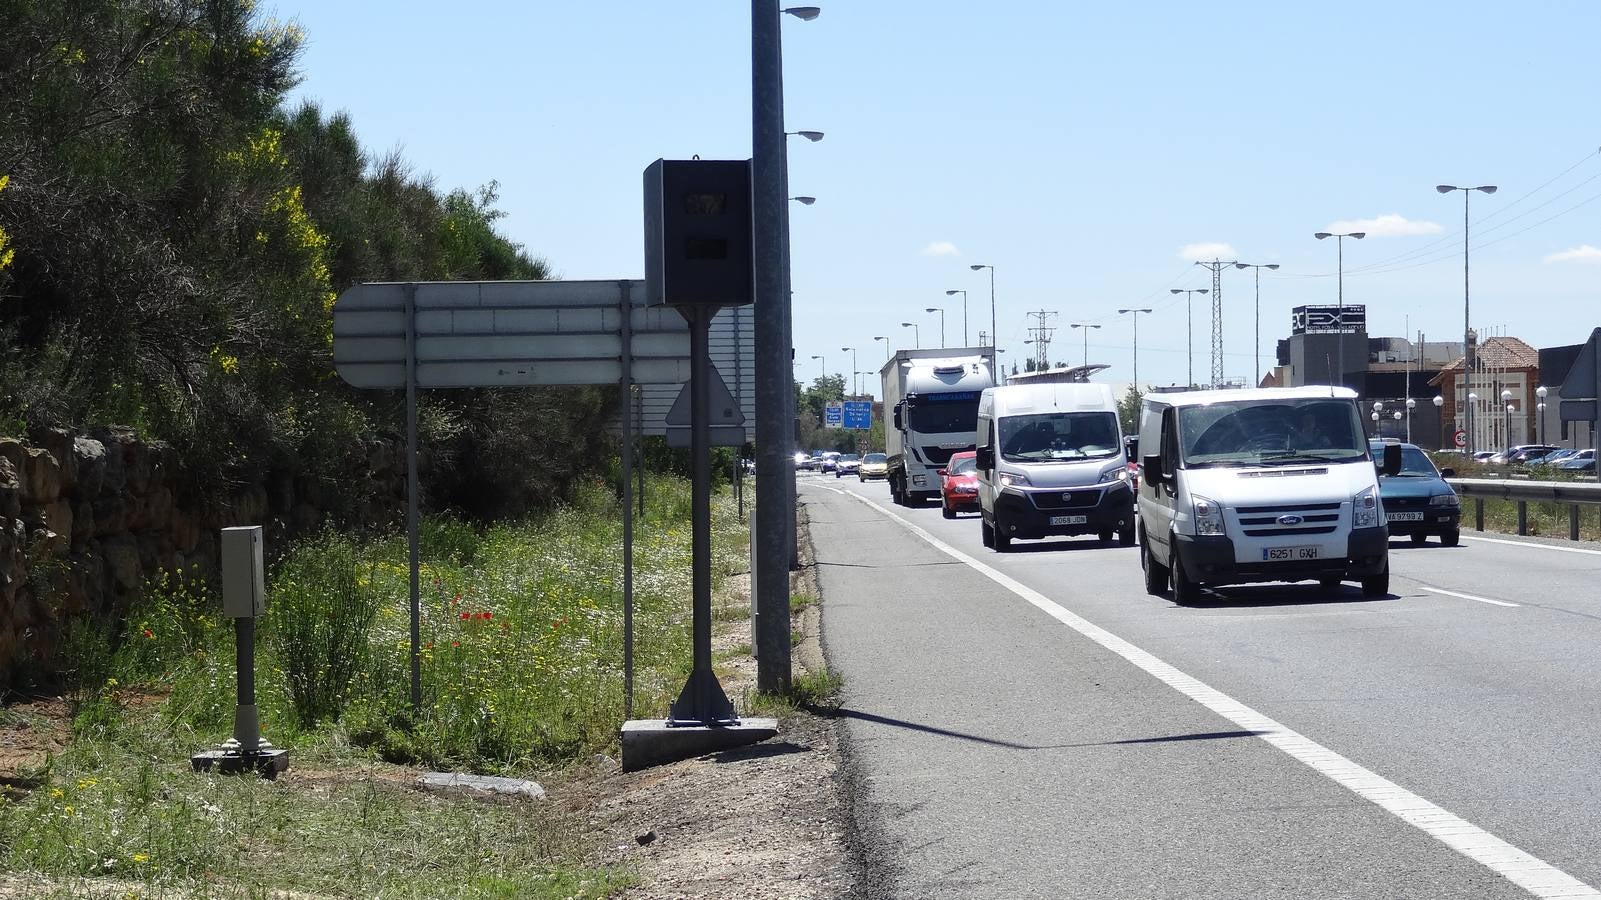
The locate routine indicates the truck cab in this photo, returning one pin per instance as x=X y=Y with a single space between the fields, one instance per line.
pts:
x=933 y=395
x=1274 y=484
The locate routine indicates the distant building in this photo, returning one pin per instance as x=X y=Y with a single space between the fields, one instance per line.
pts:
x=1501 y=366
x=1554 y=365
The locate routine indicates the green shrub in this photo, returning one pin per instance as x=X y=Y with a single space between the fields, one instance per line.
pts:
x=320 y=609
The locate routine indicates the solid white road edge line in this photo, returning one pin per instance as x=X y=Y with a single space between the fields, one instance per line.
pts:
x=1538 y=877
x=1485 y=540
x=1468 y=597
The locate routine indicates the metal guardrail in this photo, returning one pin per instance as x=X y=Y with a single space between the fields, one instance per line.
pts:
x=1573 y=493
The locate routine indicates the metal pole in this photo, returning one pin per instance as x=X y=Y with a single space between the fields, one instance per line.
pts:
x=1256 y=357
x=1189 y=317
x=626 y=301
x=702 y=701
x=1339 y=243
x=1467 y=328
x=964 y=318
x=995 y=336
x=774 y=388
x=411 y=499
x=247 y=726
x=1136 y=317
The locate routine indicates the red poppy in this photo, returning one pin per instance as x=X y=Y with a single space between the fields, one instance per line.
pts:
x=149 y=633
x=455 y=643
x=428 y=646
x=465 y=616
x=486 y=616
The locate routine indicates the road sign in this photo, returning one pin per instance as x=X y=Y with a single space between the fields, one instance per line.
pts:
x=733 y=345
x=727 y=422
x=506 y=334
x=1583 y=383
x=1460 y=438
x=858 y=415
x=833 y=415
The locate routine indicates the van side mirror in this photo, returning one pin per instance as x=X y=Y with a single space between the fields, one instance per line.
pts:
x=986 y=458
x=1151 y=469
x=1392 y=459
x=897 y=417
x=1447 y=472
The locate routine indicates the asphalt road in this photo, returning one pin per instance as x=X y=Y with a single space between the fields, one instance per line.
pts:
x=1035 y=725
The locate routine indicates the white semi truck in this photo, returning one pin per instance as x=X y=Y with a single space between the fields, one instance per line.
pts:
x=931 y=402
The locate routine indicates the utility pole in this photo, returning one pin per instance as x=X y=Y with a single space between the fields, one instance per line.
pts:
x=1042 y=339
x=1216 y=267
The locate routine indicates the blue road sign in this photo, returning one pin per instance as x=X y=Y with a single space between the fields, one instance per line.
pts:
x=859 y=415
x=833 y=415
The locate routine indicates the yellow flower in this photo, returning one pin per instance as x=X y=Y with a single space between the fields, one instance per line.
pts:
x=56 y=794
x=141 y=857
x=67 y=809
x=84 y=783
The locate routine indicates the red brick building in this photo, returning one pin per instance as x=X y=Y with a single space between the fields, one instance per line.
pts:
x=1500 y=365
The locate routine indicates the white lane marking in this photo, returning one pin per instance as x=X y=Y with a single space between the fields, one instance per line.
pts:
x=1469 y=597
x=1485 y=540
x=1538 y=877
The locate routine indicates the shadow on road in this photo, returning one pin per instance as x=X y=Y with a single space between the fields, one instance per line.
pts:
x=1249 y=596
x=1065 y=544
x=860 y=716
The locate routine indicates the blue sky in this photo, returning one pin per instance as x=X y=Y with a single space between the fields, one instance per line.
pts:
x=1078 y=148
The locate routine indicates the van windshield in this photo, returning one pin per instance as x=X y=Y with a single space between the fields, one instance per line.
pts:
x=1271 y=432
x=1059 y=436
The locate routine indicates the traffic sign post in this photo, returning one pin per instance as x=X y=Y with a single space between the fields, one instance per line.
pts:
x=858 y=415
x=834 y=416
x=1460 y=438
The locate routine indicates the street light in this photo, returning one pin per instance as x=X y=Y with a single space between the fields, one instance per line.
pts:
x=805 y=14
x=1189 y=315
x=824 y=366
x=813 y=136
x=1539 y=407
x=941 y=323
x=1411 y=404
x=1258 y=346
x=1086 y=326
x=858 y=386
x=917 y=342
x=964 y=313
x=1136 y=319
x=1339 y=240
x=994 y=336
x=804 y=201
x=1506 y=425
x=1439 y=403
x=880 y=337
x=1471 y=415
x=1467 y=345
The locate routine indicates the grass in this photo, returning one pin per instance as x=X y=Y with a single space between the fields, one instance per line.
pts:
x=521 y=674
x=807 y=690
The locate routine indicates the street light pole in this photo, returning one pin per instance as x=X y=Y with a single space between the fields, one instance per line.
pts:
x=1085 y=326
x=1339 y=241
x=994 y=335
x=941 y=323
x=1136 y=319
x=964 y=313
x=857 y=390
x=1439 y=413
x=917 y=342
x=823 y=369
x=1257 y=355
x=880 y=337
x=1467 y=322
x=1189 y=316
x=1539 y=409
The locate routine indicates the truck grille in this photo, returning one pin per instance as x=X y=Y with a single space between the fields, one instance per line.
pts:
x=1263 y=521
x=938 y=456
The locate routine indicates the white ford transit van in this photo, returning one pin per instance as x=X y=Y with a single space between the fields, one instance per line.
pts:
x=1051 y=462
x=1275 y=484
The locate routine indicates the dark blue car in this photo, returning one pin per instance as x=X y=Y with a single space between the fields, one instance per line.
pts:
x=1417 y=501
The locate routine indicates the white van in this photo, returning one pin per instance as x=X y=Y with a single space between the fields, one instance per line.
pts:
x=1051 y=462
x=1275 y=484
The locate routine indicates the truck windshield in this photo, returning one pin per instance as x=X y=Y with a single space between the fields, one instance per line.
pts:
x=944 y=413
x=1271 y=432
x=1059 y=436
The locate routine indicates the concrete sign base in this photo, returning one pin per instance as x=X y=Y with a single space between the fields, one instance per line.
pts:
x=650 y=742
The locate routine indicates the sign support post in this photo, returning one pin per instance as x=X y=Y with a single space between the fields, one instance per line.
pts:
x=411 y=499
x=625 y=310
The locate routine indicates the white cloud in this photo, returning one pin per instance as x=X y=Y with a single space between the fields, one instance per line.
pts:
x=1581 y=253
x=1207 y=250
x=941 y=248
x=1391 y=225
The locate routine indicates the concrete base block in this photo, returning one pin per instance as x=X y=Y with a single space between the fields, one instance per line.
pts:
x=267 y=763
x=649 y=742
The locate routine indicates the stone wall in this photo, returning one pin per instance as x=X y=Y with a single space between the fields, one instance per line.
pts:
x=85 y=519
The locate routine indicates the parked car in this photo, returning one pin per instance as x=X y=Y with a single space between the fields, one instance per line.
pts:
x=1554 y=457
x=847 y=464
x=1581 y=462
x=874 y=465
x=1520 y=454
x=1417 y=501
x=958 y=484
x=1483 y=455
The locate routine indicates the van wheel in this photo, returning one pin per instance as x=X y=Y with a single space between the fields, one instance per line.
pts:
x=1155 y=572
x=1185 y=591
x=1451 y=538
x=1003 y=541
x=986 y=533
x=1125 y=538
x=946 y=511
x=1377 y=585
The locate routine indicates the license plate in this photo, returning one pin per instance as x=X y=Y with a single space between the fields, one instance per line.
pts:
x=1069 y=520
x=1288 y=554
x=1404 y=517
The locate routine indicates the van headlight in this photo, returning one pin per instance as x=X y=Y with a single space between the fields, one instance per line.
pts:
x=1444 y=500
x=1010 y=478
x=1365 y=509
x=1208 y=515
x=1118 y=474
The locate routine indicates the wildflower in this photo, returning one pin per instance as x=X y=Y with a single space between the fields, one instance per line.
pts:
x=465 y=615
x=428 y=646
x=67 y=809
x=84 y=783
x=486 y=615
x=455 y=643
x=150 y=634
x=111 y=682
x=56 y=794
x=141 y=857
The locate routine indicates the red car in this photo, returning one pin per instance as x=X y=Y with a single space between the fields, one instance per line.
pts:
x=958 y=485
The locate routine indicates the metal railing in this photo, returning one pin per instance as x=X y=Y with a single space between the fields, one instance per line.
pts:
x=1573 y=493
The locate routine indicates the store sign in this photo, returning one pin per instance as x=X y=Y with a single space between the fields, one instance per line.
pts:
x=1329 y=319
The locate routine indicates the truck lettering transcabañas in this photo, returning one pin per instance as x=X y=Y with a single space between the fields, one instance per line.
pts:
x=934 y=398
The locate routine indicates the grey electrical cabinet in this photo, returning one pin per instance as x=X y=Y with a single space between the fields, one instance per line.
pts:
x=244 y=581
x=698 y=245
